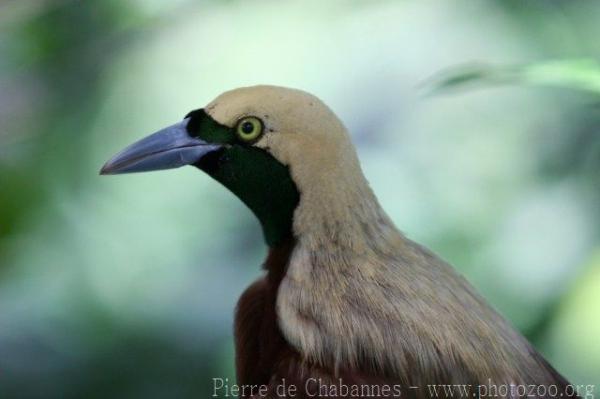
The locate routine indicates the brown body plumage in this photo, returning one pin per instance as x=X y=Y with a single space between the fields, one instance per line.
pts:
x=264 y=357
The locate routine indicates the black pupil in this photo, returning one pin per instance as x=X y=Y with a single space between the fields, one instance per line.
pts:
x=247 y=127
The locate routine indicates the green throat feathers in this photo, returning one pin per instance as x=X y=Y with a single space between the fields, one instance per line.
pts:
x=252 y=174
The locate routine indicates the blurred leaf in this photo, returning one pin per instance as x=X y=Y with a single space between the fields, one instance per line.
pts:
x=578 y=74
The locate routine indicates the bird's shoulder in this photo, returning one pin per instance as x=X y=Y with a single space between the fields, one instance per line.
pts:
x=400 y=310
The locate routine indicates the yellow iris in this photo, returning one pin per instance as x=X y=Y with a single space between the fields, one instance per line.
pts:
x=249 y=128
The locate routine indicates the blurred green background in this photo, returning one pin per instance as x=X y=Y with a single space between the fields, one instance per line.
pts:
x=477 y=123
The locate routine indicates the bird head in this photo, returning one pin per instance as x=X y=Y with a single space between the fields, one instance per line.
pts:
x=268 y=145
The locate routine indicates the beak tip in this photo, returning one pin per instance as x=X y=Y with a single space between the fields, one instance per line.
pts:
x=105 y=170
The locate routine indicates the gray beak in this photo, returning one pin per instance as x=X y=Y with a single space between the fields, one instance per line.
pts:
x=168 y=148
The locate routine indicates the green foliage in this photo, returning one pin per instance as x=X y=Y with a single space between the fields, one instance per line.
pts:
x=577 y=74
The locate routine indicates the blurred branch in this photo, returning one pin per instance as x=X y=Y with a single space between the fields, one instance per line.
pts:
x=577 y=74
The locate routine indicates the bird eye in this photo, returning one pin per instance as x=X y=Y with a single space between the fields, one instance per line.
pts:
x=249 y=128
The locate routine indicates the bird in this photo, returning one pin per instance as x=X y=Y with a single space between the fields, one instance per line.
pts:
x=348 y=305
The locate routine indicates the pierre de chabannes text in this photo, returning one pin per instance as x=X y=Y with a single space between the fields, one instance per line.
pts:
x=316 y=387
